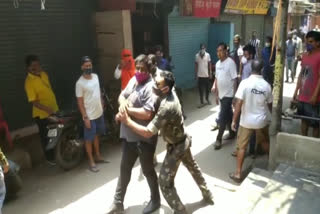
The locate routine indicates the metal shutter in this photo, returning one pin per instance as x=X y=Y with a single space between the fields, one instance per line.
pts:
x=185 y=36
x=60 y=35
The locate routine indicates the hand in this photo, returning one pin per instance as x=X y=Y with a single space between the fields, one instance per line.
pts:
x=6 y=168
x=123 y=106
x=234 y=126
x=124 y=118
x=213 y=89
x=217 y=100
x=313 y=100
x=50 y=111
x=87 y=123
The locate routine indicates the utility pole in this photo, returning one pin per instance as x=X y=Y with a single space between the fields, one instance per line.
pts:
x=280 y=35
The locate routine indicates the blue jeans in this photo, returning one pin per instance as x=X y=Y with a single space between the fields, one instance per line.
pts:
x=290 y=66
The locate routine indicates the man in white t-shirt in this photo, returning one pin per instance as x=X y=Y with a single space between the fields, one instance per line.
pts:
x=203 y=73
x=90 y=105
x=254 y=101
x=224 y=87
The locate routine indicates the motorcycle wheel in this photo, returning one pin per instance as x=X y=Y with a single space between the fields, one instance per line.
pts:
x=69 y=150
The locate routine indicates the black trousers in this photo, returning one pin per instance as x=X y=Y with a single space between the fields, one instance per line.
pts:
x=225 y=116
x=130 y=153
x=203 y=85
x=43 y=132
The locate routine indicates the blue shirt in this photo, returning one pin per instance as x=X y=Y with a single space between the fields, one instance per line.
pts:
x=164 y=65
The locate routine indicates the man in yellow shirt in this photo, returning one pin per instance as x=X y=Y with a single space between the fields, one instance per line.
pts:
x=43 y=99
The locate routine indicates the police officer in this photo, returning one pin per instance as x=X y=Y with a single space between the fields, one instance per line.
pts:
x=169 y=120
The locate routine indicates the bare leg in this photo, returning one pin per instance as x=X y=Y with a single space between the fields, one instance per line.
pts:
x=96 y=146
x=88 y=146
x=240 y=159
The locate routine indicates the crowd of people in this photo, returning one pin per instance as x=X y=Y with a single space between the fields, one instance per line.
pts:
x=150 y=104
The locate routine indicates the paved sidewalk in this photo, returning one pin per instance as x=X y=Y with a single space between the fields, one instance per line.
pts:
x=51 y=190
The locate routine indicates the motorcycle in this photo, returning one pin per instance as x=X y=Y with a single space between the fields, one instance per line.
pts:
x=65 y=134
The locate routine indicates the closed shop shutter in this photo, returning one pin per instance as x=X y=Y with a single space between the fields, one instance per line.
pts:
x=59 y=35
x=235 y=19
x=185 y=36
x=254 y=23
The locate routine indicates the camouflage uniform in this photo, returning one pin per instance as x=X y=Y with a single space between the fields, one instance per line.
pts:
x=170 y=121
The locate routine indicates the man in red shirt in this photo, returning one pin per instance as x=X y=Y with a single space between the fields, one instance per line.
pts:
x=308 y=86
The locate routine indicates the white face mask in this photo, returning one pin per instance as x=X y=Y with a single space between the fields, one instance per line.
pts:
x=267 y=44
x=244 y=60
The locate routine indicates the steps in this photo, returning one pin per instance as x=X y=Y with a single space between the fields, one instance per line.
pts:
x=288 y=190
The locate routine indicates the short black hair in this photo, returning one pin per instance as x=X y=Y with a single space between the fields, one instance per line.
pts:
x=269 y=39
x=85 y=59
x=31 y=58
x=202 y=45
x=149 y=61
x=223 y=45
x=168 y=78
x=251 y=49
x=313 y=34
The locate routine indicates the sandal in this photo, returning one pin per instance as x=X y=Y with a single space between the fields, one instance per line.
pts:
x=234 y=178
x=94 y=169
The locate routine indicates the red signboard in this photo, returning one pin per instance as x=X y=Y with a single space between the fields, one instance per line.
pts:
x=107 y=5
x=206 y=8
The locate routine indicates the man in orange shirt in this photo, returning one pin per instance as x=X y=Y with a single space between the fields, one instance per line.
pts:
x=126 y=69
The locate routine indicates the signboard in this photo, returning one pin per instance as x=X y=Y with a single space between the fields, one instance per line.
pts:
x=206 y=8
x=107 y=5
x=259 y=7
x=200 y=8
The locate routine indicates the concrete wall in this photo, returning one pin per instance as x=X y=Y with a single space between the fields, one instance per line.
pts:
x=295 y=150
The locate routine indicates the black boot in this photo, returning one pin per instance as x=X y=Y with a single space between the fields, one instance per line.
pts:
x=207 y=197
x=152 y=206
x=116 y=209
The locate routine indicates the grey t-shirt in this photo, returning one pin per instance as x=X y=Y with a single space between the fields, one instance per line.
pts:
x=246 y=71
x=139 y=96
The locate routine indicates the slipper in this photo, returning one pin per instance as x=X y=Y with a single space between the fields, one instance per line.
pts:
x=102 y=161
x=234 y=178
x=94 y=169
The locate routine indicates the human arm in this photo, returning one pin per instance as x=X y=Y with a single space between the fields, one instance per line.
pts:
x=236 y=114
x=82 y=110
x=137 y=128
x=314 y=98
x=140 y=113
x=297 y=90
x=4 y=162
x=32 y=98
x=117 y=72
x=196 y=70
x=215 y=90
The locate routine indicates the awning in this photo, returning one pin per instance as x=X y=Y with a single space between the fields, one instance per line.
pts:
x=259 y=7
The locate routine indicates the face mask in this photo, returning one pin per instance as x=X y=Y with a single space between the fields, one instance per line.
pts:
x=157 y=91
x=244 y=60
x=267 y=44
x=142 y=77
x=309 y=47
x=87 y=71
x=202 y=51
